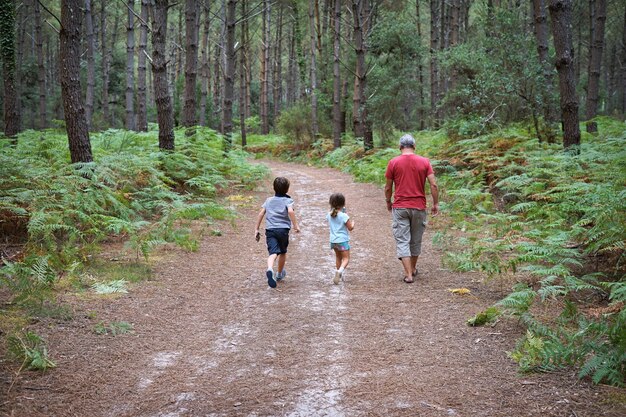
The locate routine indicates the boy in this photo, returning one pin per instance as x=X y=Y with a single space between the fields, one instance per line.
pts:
x=279 y=218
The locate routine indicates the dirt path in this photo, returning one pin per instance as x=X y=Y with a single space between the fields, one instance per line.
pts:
x=212 y=339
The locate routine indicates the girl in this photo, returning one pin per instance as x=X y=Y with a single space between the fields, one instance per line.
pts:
x=340 y=225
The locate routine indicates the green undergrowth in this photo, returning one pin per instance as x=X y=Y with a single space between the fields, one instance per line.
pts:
x=133 y=194
x=515 y=208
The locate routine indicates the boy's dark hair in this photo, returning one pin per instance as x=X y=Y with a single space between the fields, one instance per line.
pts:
x=336 y=201
x=281 y=185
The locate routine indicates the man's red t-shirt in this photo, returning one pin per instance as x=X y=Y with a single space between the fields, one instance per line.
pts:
x=408 y=173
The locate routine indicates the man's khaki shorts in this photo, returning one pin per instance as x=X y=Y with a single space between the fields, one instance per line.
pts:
x=408 y=227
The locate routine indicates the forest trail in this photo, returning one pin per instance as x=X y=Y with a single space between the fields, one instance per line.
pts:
x=212 y=339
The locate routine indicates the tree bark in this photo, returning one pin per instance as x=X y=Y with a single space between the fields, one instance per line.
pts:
x=91 y=63
x=204 y=66
x=265 y=58
x=561 y=16
x=242 y=74
x=106 y=59
x=434 y=65
x=314 y=125
x=71 y=92
x=595 y=62
x=337 y=75
x=163 y=101
x=7 y=51
x=361 y=15
x=229 y=74
x=541 y=31
x=420 y=70
x=623 y=82
x=130 y=68
x=191 y=62
x=278 y=64
x=142 y=104
x=41 y=69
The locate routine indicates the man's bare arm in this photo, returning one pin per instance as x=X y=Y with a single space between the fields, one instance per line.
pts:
x=434 y=191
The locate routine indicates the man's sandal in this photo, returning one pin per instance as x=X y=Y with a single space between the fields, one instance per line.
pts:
x=408 y=280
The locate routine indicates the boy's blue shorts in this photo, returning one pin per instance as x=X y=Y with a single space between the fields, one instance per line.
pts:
x=277 y=240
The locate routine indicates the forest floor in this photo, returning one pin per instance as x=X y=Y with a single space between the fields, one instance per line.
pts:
x=210 y=338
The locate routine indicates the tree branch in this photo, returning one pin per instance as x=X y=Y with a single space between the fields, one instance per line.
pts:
x=51 y=14
x=136 y=15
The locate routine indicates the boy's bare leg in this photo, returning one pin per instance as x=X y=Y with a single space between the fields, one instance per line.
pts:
x=270 y=261
x=282 y=258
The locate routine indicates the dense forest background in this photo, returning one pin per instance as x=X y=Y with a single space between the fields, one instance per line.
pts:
x=314 y=68
x=128 y=119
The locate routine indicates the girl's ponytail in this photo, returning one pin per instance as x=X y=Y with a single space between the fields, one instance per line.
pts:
x=336 y=201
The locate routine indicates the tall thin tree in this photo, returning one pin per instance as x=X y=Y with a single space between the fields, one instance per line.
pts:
x=337 y=75
x=7 y=51
x=561 y=16
x=595 y=61
x=313 y=69
x=106 y=59
x=142 y=99
x=130 y=67
x=242 y=74
x=229 y=74
x=191 y=62
x=265 y=59
x=71 y=92
x=163 y=101
x=41 y=68
x=91 y=63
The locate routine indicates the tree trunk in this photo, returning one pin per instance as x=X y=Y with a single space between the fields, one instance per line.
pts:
x=91 y=63
x=242 y=74
x=561 y=16
x=299 y=50
x=623 y=89
x=105 y=64
x=434 y=65
x=278 y=67
x=191 y=62
x=204 y=68
x=337 y=76
x=314 y=125
x=420 y=70
x=542 y=35
x=71 y=92
x=292 y=71
x=229 y=74
x=130 y=68
x=361 y=15
x=7 y=51
x=265 y=58
x=41 y=69
x=163 y=101
x=595 y=62
x=142 y=112
x=360 y=62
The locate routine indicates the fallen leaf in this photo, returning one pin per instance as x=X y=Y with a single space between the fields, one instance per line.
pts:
x=459 y=291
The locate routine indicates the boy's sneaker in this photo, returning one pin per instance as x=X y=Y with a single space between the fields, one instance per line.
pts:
x=337 y=277
x=281 y=275
x=270 y=279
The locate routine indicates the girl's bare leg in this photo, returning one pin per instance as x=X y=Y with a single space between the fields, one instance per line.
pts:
x=345 y=259
x=337 y=259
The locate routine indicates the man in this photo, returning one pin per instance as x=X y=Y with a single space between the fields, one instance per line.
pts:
x=406 y=179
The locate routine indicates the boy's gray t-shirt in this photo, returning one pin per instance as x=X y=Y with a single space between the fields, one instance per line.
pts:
x=276 y=215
